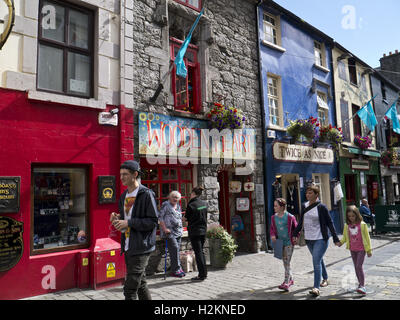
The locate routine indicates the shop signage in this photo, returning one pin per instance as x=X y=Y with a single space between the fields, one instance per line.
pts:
x=300 y=153
x=9 y=194
x=357 y=164
x=11 y=244
x=161 y=135
x=387 y=218
x=107 y=189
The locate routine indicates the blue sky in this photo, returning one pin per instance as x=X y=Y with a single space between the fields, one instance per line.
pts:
x=367 y=28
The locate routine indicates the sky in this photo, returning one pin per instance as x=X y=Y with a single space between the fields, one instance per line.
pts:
x=367 y=28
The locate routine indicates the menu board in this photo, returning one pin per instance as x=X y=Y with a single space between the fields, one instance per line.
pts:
x=11 y=242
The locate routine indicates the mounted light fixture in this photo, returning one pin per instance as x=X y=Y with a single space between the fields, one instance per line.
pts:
x=9 y=24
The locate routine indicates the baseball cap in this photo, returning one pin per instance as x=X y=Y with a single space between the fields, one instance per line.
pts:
x=131 y=165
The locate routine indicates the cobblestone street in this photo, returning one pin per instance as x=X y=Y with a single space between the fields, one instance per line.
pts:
x=256 y=277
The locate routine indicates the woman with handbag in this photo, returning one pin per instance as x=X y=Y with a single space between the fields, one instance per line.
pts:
x=315 y=221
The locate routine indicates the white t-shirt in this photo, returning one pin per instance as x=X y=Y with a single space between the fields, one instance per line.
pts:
x=312 y=228
x=129 y=203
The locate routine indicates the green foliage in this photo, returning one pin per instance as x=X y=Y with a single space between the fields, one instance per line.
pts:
x=228 y=245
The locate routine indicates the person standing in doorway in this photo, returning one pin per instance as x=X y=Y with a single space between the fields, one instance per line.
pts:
x=137 y=222
x=171 y=229
x=196 y=216
x=316 y=221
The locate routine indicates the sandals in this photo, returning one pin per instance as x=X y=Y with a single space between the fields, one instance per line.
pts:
x=324 y=283
x=315 y=292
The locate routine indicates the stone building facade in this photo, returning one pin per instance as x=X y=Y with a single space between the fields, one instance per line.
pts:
x=227 y=70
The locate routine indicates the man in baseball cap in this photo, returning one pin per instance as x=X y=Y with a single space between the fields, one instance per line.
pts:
x=137 y=220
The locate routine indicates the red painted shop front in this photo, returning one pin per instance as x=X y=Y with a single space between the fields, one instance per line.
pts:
x=60 y=154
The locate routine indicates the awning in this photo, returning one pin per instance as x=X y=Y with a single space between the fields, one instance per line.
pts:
x=370 y=153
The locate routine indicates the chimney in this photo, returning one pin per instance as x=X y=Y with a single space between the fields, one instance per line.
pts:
x=384 y=55
x=397 y=51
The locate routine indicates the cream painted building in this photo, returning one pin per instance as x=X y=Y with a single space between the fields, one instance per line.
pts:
x=32 y=58
x=359 y=168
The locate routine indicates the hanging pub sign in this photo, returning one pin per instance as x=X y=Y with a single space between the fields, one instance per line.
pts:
x=107 y=189
x=9 y=194
x=11 y=244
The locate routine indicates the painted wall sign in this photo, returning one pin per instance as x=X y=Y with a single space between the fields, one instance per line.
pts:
x=107 y=189
x=9 y=194
x=357 y=164
x=163 y=135
x=11 y=244
x=300 y=153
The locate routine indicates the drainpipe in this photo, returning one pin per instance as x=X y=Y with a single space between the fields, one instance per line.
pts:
x=267 y=242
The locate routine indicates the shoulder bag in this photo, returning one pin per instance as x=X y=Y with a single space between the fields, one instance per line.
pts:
x=301 y=240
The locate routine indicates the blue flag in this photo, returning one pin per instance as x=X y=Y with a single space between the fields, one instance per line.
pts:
x=392 y=115
x=180 y=64
x=367 y=115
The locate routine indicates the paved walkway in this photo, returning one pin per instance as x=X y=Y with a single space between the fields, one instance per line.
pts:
x=256 y=277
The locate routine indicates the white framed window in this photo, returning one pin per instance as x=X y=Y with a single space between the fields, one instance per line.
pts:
x=274 y=100
x=323 y=108
x=271 y=25
x=318 y=54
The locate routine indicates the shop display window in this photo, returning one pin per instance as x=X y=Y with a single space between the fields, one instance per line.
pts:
x=60 y=214
x=164 y=179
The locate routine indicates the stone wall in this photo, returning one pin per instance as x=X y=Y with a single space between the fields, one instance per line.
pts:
x=228 y=57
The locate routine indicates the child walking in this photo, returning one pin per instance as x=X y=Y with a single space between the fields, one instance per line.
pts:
x=357 y=239
x=282 y=226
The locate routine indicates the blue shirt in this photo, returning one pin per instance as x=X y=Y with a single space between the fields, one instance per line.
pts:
x=282 y=228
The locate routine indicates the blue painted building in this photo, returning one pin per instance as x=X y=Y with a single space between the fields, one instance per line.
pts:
x=297 y=82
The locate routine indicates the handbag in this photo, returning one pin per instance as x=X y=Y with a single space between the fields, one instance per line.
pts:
x=301 y=241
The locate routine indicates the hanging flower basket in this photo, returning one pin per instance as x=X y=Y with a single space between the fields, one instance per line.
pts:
x=222 y=117
x=390 y=158
x=331 y=135
x=303 y=128
x=362 y=142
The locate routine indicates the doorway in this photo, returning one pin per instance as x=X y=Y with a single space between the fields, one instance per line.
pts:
x=223 y=200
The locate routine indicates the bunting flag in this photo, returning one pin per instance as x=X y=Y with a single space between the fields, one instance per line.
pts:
x=392 y=115
x=367 y=115
x=180 y=64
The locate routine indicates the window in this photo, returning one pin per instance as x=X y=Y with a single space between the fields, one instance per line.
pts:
x=323 y=108
x=194 y=4
x=319 y=54
x=383 y=91
x=356 y=121
x=186 y=91
x=274 y=104
x=342 y=70
x=60 y=214
x=164 y=179
x=271 y=29
x=344 y=111
x=65 y=49
x=352 y=71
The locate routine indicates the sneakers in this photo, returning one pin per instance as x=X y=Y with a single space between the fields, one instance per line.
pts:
x=362 y=290
x=324 y=283
x=178 y=274
x=285 y=286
